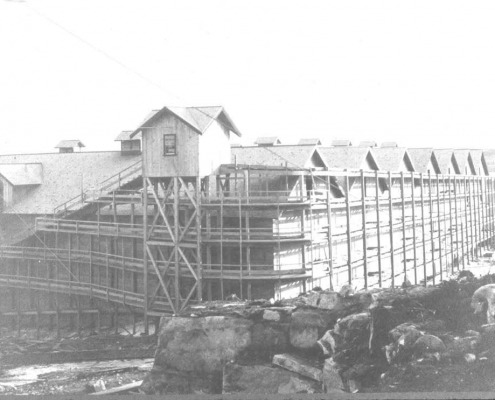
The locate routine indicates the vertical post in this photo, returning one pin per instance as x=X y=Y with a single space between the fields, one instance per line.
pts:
x=145 y=256
x=452 y=253
x=365 y=245
x=199 y=263
x=466 y=218
x=439 y=219
x=378 y=228
x=391 y=229
x=403 y=209
x=413 y=206
x=457 y=226
x=329 y=234
x=348 y=220
x=432 y=233
x=176 y=244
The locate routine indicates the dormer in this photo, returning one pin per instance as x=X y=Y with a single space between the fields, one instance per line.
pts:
x=67 y=146
x=266 y=141
x=128 y=145
x=341 y=143
x=309 y=142
x=16 y=180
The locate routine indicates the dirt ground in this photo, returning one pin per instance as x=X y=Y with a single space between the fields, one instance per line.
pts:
x=27 y=365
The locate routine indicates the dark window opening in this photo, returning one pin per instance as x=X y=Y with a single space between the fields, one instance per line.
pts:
x=169 y=145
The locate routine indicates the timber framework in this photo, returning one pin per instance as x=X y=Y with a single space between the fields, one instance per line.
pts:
x=181 y=215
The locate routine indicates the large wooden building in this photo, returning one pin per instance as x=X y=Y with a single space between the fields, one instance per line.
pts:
x=180 y=215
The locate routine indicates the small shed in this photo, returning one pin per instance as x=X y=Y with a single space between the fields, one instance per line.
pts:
x=309 y=142
x=67 y=146
x=267 y=141
x=129 y=145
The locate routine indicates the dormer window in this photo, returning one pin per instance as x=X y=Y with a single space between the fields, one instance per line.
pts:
x=169 y=144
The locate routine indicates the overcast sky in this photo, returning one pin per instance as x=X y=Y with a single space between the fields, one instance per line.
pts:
x=421 y=73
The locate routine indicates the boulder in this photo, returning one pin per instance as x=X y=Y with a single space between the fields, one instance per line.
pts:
x=461 y=346
x=429 y=344
x=331 y=378
x=202 y=345
x=327 y=343
x=268 y=336
x=298 y=365
x=262 y=379
x=402 y=329
x=352 y=323
x=307 y=325
x=271 y=315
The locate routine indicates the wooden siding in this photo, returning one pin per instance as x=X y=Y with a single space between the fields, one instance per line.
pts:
x=184 y=163
x=214 y=149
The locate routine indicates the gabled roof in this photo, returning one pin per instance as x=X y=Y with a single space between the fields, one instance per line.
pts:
x=198 y=118
x=310 y=141
x=267 y=141
x=69 y=143
x=339 y=143
x=489 y=157
x=464 y=161
x=391 y=158
x=389 y=144
x=22 y=174
x=64 y=176
x=292 y=156
x=346 y=157
x=445 y=157
x=126 y=135
x=478 y=161
x=421 y=158
x=368 y=143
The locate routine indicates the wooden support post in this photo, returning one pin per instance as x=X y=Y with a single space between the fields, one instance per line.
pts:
x=391 y=229
x=432 y=233
x=222 y=290
x=329 y=235
x=413 y=216
x=145 y=256
x=378 y=229
x=348 y=233
x=176 y=244
x=451 y=225
x=403 y=209
x=365 y=245
x=466 y=219
x=199 y=263
x=439 y=219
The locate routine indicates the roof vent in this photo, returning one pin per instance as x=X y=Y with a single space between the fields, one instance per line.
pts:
x=67 y=146
x=368 y=144
x=128 y=145
x=389 y=144
x=341 y=143
x=236 y=145
x=268 y=141
x=310 y=141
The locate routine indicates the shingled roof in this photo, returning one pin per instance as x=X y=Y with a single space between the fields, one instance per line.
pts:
x=445 y=158
x=22 y=174
x=348 y=157
x=422 y=158
x=69 y=143
x=64 y=175
x=489 y=157
x=292 y=156
x=479 y=163
x=309 y=141
x=391 y=158
x=464 y=161
x=198 y=118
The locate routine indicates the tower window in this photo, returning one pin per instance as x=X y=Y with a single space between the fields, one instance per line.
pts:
x=169 y=145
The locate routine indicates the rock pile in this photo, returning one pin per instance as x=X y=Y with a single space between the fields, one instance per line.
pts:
x=320 y=342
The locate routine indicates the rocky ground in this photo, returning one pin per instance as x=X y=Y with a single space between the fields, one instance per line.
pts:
x=411 y=339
